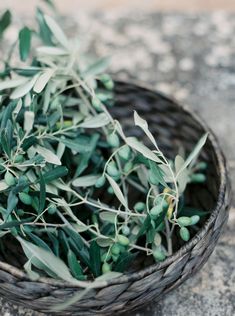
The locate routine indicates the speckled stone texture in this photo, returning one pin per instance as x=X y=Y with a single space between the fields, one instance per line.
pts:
x=190 y=57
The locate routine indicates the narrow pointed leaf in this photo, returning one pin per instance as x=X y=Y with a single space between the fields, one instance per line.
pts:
x=23 y=89
x=48 y=155
x=97 y=121
x=86 y=181
x=24 y=43
x=8 y=84
x=95 y=258
x=117 y=191
x=194 y=153
x=48 y=259
x=57 y=31
x=43 y=80
x=5 y=21
x=141 y=148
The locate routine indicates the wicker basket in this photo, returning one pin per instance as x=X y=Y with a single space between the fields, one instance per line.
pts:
x=173 y=126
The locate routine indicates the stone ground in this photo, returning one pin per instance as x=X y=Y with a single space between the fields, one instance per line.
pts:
x=191 y=58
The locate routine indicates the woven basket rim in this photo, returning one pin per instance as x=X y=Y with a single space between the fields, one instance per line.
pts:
x=182 y=252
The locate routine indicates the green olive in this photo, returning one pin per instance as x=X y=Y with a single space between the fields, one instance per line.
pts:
x=128 y=166
x=159 y=255
x=52 y=209
x=96 y=103
x=184 y=233
x=184 y=221
x=113 y=140
x=195 y=219
x=198 y=178
x=124 y=152
x=25 y=198
x=110 y=190
x=9 y=179
x=156 y=210
x=112 y=170
x=123 y=240
x=115 y=249
x=100 y=182
x=126 y=230
x=139 y=206
x=106 y=268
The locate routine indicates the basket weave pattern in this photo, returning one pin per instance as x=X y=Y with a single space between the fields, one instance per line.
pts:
x=173 y=126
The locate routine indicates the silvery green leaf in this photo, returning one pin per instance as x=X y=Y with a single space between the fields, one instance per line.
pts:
x=119 y=129
x=27 y=99
x=104 y=242
x=8 y=84
x=85 y=181
x=98 y=67
x=108 y=216
x=46 y=258
x=144 y=125
x=108 y=276
x=57 y=31
x=48 y=155
x=141 y=148
x=143 y=177
x=3 y=185
x=194 y=153
x=97 y=121
x=23 y=89
x=60 y=150
x=32 y=274
x=167 y=173
x=43 y=80
x=80 y=227
x=28 y=120
x=182 y=177
x=50 y=188
x=51 y=51
x=117 y=191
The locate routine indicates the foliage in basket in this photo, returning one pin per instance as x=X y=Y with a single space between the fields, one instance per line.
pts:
x=63 y=157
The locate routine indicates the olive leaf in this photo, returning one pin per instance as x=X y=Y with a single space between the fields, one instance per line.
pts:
x=86 y=181
x=97 y=121
x=117 y=191
x=95 y=258
x=141 y=148
x=24 y=88
x=47 y=259
x=193 y=155
x=5 y=21
x=75 y=266
x=48 y=155
x=43 y=80
x=98 y=67
x=51 y=51
x=28 y=120
x=44 y=30
x=55 y=173
x=24 y=43
x=183 y=175
x=57 y=31
x=8 y=84
x=144 y=125
x=108 y=216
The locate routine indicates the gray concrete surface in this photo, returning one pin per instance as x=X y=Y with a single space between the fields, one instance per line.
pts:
x=190 y=57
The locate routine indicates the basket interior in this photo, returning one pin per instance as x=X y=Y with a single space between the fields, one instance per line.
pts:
x=173 y=128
